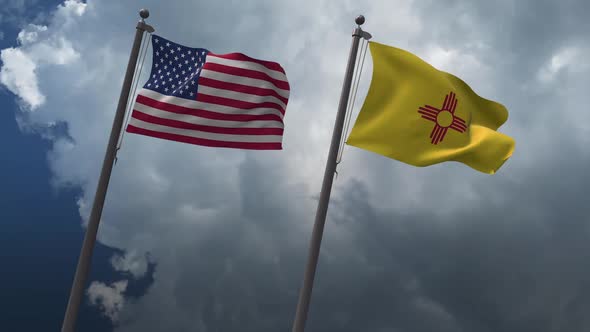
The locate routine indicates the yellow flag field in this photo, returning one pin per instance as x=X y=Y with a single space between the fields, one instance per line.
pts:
x=421 y=116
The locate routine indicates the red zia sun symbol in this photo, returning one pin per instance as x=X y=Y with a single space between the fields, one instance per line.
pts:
x=443 y=118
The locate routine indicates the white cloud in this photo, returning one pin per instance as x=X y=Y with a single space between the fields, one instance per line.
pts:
x=557 y=62
x=570 y=58
x=40 y=47
x=18 y=75
x=131 y=262
x=71 y=7
x=109 y=299
x=30 y=34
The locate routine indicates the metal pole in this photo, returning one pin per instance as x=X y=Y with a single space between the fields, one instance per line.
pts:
x=320 y=218
x=85 y=258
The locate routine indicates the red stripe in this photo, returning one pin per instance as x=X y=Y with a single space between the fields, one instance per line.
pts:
x=246 y=73
x=204 y=113
x=242 y=57
x=237 y=103
x=205 y=142
x=430 y=108
x=459 y=129
x=459 y=125
x=209 y=129
x=429 y=111
x=434 y=131
x=241 y=88
x=442 y=135
x=436 y=137
x=454 y=105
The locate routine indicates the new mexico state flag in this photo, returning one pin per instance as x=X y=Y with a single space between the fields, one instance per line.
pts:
x=421 y=116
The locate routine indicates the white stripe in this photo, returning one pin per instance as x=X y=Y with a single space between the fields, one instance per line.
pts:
x=240 y=96
x=244 y=81
x=206 y=135
x=204 y=121
x=277 y=75
x=207 y=106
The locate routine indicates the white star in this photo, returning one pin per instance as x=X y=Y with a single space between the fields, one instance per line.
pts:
x=156 y=40
x=156 y=65
x=182 y=55
x=174 y=86
x=176 y=58
x=159 y=71
x=161 y=48
x=179 y=65
x=161 y=77
x=179 y=82
x=171 y=51
x=149 y=84
x=174 y=69
x=167 y=44
x=193 y=82
x=163 y=82
x=185 y=62
x=166 y=89
x=193 y=58
x=170 y=79
x=154 y=76
x=192 y=94
x=178 y=48
x=162 y=60
x=183 y=72
x=177 y=76
x=166 y=55
x=157 y=53
x=165 y=67
x=167 y=73
x=157 y=86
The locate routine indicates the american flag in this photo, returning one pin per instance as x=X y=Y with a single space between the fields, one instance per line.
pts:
x=218 y=100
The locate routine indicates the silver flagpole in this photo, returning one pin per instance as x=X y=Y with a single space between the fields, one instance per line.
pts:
x=320 y=218
x=85 y=258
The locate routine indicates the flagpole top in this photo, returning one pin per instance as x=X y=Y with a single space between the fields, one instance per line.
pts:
x=144 y=13
x=359 y=20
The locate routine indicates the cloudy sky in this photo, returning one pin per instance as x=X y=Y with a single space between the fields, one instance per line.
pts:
x=201 y=239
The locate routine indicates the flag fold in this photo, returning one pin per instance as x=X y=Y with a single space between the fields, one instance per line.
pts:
x=218 y=100
x=421 y=116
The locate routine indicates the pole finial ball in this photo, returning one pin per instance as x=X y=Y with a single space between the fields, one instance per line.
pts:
x=360 y=20
x=144 y=13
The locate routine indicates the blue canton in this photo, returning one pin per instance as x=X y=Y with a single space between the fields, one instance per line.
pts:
x=175 y=68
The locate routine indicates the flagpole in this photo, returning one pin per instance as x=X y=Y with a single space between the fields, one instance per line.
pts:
x=85 y=258
x=322 y=210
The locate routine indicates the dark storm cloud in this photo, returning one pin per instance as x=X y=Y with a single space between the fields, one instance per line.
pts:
x=514 y=264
